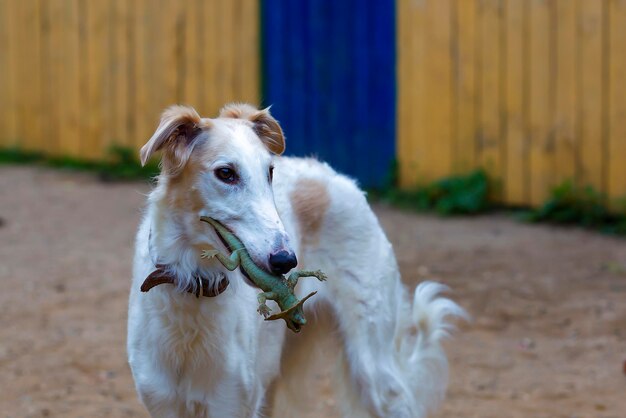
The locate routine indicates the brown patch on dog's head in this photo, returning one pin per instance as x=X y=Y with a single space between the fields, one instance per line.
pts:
x=263 y=124
x=310 y=201
x=175 y=135
x=183 y=194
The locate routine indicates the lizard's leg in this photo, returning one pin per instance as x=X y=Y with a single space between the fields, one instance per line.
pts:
x=231 y=263
x=292 y=280
x=263 y=309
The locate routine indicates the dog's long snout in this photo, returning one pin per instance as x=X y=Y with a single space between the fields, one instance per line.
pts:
x=282 y=261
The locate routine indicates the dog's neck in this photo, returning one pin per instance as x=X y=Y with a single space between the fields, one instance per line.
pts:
x=176 y=239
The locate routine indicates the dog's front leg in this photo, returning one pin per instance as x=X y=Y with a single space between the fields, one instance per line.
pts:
x=160 y=406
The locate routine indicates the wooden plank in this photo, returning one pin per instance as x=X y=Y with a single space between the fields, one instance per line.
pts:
x=64 y=56
x=84 y=78
x=50 y=119
x=617 y=101
x=162 y=54
x=465 y=72
x=149 y=73
x=69 y=131
x=565 y=140
x=411 y=53
x=436 y=158
x=96 y=132
x=590 y=93
x=219 y=87
x=213 y=84
x=516 y=174
x=28 y=104
x=205 y=83
x=416 y=82
x=190 y=66
x=120 y=69
x=540 y=102
x=250 y=74
x=142 y=110
x=8 y=56
x=229 y=69
x=171 y=29
x=402 y=40
x=172 y=24
x=237 y=56
x=490 y=144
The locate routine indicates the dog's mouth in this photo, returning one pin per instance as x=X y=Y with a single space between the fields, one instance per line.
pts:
x=222 y=239
x=230 y=250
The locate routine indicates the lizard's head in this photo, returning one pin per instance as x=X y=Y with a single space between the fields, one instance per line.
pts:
x=223 y=168
x=296 y=320
x=294 y=316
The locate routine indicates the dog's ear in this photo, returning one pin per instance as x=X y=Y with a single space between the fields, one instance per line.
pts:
x=264 y=124
x=175 y=135
x=268 y=129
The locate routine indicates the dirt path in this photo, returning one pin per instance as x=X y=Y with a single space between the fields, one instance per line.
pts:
x=548 y=336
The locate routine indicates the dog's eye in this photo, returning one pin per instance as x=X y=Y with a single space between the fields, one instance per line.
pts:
x=227 y=175
x=271 y=173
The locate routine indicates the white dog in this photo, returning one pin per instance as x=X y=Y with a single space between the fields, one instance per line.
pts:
x=197 y=356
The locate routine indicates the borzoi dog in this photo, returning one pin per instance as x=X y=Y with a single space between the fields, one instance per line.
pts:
x=196 y=345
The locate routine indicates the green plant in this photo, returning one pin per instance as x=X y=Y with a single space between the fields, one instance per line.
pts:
x=17 y=156
x=120 y=164
x=456 y=195
x=392 y=177
x=124 y=165
x=570 y=204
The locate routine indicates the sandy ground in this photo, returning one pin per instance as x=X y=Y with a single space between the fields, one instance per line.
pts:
x=548 y=336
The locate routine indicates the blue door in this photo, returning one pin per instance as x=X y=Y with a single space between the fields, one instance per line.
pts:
x=329 y=74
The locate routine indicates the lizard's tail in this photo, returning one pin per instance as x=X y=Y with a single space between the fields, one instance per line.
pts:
x=287 y=312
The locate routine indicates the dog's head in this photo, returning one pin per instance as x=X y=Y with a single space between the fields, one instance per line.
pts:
x=223 y=168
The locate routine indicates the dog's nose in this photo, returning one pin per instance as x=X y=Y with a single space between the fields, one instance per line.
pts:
x=282 y=261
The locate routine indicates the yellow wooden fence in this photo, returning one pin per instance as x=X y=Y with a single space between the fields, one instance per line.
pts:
x=534 y=91
x=77 y=76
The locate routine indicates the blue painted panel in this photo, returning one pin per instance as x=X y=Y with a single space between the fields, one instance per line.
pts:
x=329 y=74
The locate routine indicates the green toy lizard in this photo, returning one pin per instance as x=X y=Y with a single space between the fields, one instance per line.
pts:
x=275 y=287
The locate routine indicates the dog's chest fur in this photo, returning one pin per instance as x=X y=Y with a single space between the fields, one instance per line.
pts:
x=208 y=346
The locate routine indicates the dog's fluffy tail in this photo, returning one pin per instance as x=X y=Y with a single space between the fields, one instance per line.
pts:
x=400 y=372
x=421 y=359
